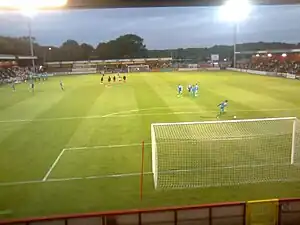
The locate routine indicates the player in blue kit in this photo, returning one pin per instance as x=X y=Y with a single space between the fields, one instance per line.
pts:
x=197 y=89
x=222 y=107
x=194 y=90
x=179 y=89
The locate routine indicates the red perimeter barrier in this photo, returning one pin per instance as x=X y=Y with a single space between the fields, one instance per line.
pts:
x=206 y=214
x=212 y=214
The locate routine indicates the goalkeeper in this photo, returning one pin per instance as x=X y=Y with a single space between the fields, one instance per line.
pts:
x=222 y=107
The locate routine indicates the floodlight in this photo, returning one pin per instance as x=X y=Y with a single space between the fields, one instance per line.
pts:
x=269 y=55
x=284 y=55
x=225 y=60
x=235 y=10
x=257 y=55
x=33 y=4
x=29 y=12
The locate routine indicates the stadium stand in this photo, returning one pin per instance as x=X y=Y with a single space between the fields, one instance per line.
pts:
x=106 y=66
x=84 y=67
x=59 y=67
x=16 y=68
x=14 y=74
x=273 y=63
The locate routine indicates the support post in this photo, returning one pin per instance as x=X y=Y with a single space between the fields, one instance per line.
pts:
x=142 y=171
x=234 y=43
x=293 y=142
x=31 y=44
x=154 y=156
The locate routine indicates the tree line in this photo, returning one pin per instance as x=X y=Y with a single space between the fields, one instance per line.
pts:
x=125 y=46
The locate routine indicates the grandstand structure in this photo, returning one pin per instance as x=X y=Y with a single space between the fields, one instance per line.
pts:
x=15 y=68
x=277 y=61
x=106 y=66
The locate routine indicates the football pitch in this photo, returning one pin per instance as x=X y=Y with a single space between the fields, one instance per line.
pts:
x=79 y=150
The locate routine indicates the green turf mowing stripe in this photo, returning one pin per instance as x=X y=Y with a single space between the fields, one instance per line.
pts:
x=90 y=114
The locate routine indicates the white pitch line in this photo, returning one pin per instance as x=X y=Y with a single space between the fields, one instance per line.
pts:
x=130 y=113
x=129 y=175
x=73 y=179
x=88 y=117
x=53 y=165
x=121 y=112
x=52 y=119
x=3 y=184
x=197 y=112
x=104 y=146
x=5 y=212
x=159 y=114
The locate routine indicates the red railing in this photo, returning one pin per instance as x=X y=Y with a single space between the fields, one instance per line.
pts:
x=234 y=213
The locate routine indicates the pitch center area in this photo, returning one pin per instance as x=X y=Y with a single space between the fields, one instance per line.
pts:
x=80 y=150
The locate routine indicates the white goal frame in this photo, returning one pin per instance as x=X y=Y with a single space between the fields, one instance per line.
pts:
x=137 y=66
x=155 y=150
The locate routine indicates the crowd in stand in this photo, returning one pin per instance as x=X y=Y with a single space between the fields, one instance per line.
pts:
x=14 y=74
x=107 y=68
x=160 y=64
x=279 y=64
x=271 y=63
x=124 y=67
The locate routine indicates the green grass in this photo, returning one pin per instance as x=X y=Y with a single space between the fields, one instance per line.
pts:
x=35 y=128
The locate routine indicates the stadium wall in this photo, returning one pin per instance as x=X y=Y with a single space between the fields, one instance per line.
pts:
x=265 y=73
x=155 y=70
x=162 y=70
x=166 y=70
x=84 y=70
x=198 y=69
x=285 y=212
x=72 y=73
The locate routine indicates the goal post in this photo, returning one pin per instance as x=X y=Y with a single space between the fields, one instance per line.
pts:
x=222 y=153
x=296 y=131
x=154 y=155
x=138 y=68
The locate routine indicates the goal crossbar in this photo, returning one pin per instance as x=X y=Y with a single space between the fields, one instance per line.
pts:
x=225 y=121
x=138 y=68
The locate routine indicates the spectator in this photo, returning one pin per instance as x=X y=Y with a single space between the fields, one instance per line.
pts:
x=274 y=63
x=14 y=74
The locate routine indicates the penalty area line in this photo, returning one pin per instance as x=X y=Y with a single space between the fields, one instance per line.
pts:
x=53 y=165
x=136 y=174
x=199 y=112
x=51 y=180
x=104 y=146
x=136 y=112
x=88 y=117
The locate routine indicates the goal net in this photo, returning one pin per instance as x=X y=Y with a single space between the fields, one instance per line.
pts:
x=138 y=68
x=222 y=153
